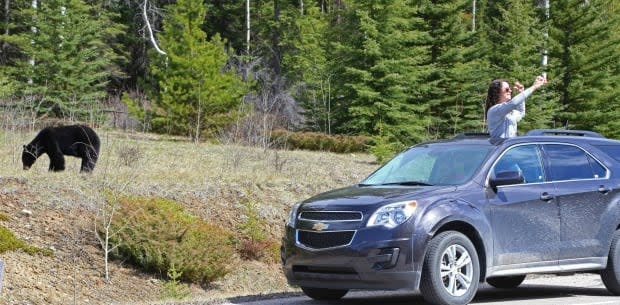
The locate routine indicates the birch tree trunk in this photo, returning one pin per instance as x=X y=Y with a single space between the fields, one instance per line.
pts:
x=34 y=31
x=473 y=20
x=247 y=19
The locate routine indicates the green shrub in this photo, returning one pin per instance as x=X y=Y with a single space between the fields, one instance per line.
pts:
x=254 y=242
x=157 y=234
x=174 y=289
x=319 y=141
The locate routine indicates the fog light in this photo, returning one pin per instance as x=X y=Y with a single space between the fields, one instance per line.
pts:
x=385 y=259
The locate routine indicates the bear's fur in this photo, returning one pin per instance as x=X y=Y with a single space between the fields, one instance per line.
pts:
x=75 y=140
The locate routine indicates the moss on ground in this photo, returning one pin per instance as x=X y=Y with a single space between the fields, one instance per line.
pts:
x=9 y=242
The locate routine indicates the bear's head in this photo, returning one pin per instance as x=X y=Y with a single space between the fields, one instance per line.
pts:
x=29 y=155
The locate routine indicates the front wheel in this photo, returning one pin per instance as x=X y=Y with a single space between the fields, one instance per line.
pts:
x=611 y=274
x=506 y=282
x=451 y=270
x=324 y=293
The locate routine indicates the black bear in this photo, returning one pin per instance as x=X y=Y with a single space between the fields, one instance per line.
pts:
x=75 y=140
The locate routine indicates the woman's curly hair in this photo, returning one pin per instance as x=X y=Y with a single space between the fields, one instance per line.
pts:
x=493 y=93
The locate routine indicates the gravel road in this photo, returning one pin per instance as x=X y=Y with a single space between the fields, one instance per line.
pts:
x=579 y=289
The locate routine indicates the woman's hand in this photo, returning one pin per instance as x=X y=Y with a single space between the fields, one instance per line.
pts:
x=539 y=81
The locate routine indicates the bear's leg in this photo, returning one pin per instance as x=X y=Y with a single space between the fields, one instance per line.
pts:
x=89 y=158
x=57 y=162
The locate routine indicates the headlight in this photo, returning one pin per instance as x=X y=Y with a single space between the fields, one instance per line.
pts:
x=293 y=215
x=392 y=214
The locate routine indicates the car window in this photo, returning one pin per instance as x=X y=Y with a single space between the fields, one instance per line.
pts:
x=569 y=162
x=438 y=164
x=524 y=158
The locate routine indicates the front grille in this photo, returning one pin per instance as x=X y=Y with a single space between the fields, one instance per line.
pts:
x=324 y=240
x=331 y=216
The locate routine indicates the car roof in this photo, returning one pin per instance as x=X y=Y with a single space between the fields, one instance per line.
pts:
x=535 y=135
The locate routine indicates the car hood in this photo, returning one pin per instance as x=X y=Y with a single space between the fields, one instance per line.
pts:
x=369 y=197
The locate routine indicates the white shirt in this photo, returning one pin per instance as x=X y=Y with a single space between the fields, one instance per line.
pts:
x=502 y=118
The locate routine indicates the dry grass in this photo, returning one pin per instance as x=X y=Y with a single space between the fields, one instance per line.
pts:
x=214 y=182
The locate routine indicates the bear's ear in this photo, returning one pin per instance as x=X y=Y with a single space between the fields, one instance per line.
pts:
x=24 y=146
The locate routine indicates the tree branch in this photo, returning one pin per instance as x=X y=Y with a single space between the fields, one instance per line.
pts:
x=148 y=25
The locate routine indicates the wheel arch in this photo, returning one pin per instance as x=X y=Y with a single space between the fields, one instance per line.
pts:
x=473 y=235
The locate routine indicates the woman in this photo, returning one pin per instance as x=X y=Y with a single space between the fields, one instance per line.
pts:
x=503 y=111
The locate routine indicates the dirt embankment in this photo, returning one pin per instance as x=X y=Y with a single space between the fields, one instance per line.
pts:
x=57 y=211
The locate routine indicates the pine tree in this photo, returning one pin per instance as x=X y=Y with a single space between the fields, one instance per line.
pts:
x=395 y=74
x=514 y=33
x=305 y=65
x=72 y=59
x=196 y=93
x=450 y=85
x=376 y=58
x=586 y=39
x=227 y=18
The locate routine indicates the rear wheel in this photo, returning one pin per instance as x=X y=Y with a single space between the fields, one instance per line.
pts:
x=451 y=270
x=324 y=293
x=506 y=282
x=611 y=274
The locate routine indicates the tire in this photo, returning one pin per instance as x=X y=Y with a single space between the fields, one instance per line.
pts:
x=459 y=283
x=506 y=282
x=611 y=274
x=324 y=294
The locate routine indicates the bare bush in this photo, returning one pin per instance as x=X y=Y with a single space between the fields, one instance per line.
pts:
x=278 y=161
x=129 y=155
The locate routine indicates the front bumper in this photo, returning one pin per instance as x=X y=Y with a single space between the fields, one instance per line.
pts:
x=373 y=260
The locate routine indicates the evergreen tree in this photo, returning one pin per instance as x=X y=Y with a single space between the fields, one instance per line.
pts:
x=71 y=58
x=396 y=74
x=196 y=93
x=227 y=18
x=515 y=41
x=450 y=84
x=376 y=60
x=585 y=37
x=306 y=66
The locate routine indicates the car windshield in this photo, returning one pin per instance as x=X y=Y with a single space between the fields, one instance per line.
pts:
x=431 y=164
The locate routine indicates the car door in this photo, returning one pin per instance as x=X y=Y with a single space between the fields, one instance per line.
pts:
x=525 y=217
x=581 y=185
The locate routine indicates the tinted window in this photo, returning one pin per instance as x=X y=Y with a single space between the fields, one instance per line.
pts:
x=525 y=158
x=568 y=163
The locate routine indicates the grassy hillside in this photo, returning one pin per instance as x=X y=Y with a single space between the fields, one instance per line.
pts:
x=58 y=211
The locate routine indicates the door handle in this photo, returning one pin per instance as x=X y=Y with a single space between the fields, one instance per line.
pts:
x=604 y=190
x=546 y=196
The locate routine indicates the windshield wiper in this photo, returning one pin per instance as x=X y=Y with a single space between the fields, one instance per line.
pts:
x=407 y=183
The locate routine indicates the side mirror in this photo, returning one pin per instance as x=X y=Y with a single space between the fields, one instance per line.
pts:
x=506 y=178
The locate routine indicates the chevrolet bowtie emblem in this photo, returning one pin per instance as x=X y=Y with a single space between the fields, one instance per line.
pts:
x=319 y=226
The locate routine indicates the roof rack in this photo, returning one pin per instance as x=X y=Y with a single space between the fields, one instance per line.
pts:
x=472 y=134
x=564 y=132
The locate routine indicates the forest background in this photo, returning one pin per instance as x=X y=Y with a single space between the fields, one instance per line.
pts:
x=397 y=71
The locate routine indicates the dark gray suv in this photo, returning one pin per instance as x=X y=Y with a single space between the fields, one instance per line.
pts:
x=444 y=216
